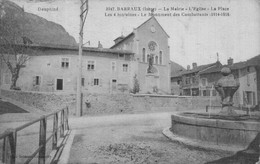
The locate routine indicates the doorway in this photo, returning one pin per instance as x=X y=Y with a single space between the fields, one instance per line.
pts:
x=59 y=84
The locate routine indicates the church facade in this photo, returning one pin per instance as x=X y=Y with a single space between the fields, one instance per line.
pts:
x=143 y=54
x=149 y=43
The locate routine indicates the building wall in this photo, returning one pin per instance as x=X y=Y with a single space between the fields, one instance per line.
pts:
x=248 y=83
x=47 y=65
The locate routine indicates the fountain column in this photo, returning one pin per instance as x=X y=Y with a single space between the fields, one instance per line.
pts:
x=226 y=87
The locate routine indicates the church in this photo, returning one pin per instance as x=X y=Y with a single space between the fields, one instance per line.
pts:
x=141 y=57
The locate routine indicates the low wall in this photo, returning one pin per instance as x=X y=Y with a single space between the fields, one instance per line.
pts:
x=108 y=103
x=148 y=102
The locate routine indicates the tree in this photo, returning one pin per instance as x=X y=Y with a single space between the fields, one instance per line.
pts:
x=136 y=87
x=14 y=47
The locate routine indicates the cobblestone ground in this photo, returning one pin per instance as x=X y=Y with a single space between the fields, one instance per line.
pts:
x=134 y=141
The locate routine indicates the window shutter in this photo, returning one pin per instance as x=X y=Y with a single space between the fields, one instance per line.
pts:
x=100 y=82
x=244 y=98
x=34 y=80
x=40 y=80
x=254 y=103
x=92 y=82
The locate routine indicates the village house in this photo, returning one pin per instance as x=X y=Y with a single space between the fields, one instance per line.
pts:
x=192 y=84
x=200 y=80
x=143 y=54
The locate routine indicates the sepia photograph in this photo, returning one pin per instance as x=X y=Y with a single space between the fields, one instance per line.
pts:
x=129 y=82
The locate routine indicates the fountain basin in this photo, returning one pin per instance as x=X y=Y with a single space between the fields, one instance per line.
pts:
x=216 y=130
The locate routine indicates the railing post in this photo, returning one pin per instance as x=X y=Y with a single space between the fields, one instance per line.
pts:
x=55 y=131
x=9 y=148
x=42 y=141
x=62 y=123
x=67 y=118
x=4 y=150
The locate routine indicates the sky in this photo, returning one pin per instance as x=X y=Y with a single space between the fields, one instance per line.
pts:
x=192 y=38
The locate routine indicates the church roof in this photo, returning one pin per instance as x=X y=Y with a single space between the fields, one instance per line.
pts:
x=132 y=33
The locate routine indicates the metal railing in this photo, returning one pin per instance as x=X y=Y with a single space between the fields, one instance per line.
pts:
x=10 y=137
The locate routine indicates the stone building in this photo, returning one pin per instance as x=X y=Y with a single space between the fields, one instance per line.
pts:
x=192 y=81
x=199 y=81
x=53 y=68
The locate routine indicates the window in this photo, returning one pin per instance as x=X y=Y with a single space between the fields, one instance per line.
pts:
x=248 y=69
x=143 y=54
x=187 y=80
x=65 y=62
x=82 y=82
x=125 y=67
x=121 y=55
x=96 y=81
x=156 y=59
x=148 y=57
x=36 y=80
x=160 y=57
x=91 y=65
x=193 y=79
x=203 y=81
x=113 y=66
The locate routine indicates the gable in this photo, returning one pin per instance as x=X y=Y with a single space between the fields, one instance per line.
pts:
x=153 y=21
x=150 y=21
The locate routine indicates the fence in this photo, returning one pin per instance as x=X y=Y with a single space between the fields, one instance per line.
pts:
x=10 y=137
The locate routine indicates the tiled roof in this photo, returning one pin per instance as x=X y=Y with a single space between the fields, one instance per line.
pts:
x=254 y=61
x=198 y=68
x=177 y=73
x=236 y=66
x=75 y=48
x=251 y=62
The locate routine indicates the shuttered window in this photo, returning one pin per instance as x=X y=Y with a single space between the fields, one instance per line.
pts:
x=36 y=80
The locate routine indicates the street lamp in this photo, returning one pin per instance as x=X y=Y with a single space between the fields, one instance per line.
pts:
x=83 y=15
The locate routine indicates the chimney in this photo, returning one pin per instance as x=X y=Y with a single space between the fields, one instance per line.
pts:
x=230 y=61
x=188 y=67
x=119 y=39
x=194 y=65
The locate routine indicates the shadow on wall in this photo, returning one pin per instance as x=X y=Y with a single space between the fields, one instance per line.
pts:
x=247 y=156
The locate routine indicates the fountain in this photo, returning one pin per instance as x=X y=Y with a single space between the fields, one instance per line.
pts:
x=227 y=130
x=226 y=87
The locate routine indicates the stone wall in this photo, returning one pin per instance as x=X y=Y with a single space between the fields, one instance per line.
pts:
x=151 y=102
x=109 y=103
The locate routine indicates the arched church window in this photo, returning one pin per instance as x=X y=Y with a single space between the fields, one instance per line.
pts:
x=160 y=57
x=143 y=54
x=156 y=59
